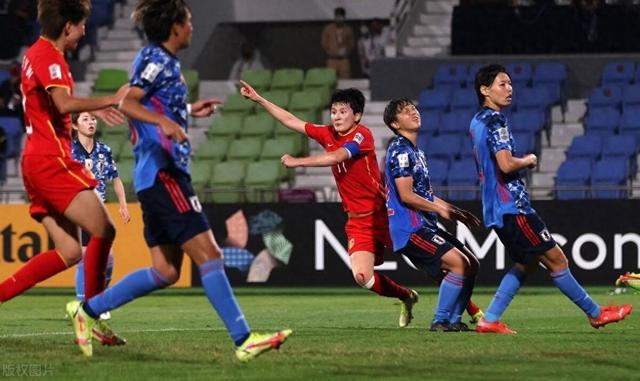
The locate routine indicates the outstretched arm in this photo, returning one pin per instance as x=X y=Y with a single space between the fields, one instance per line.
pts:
x=100 y=106
x=468 y=218
x=283 y=116
x=326 y=159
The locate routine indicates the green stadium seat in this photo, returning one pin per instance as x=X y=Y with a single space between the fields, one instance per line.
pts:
x=126 y=152
x=115 y=143
x=119 y=130
x=192 y=78
x=227 y=181
x=247 y=149
x=287 y=79
x=262 y=179
x=321 y=78
x=258 y=125
x=278 y=97
x=259 y=79
x=125 y=172
x=110 y=80
x=237 y=104
x=273 y=149
x=307 y=100
x=200 y=177
x=225 y=125
x=214 y=149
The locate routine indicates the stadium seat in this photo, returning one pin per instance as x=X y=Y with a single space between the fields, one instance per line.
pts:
x=438 y=172
x=247 y=149
x=534 y=98
x=126 y=152
x=455 y=123
x=4 y=75
x=289 y=80
x=259 y=79
x=192 y=78
x=13 y=131
x=525 y=143
x=225 y=125
x=226 y=181
x=110 y=80
x=605 y=96
x=262 y=181
x=125 y=172
x=237 y=104
x=277 y=97
x=603 y=120
x=116 y=145
x=585 y=146
x=258 y=125
x=631 y=96
x=450 y=75
x=618 y=72
x=214 y=149
x=573 y=173
x=609 y=172
x=531 y=121
x=445 y=147
x=434 y=99
x=621 y=146
x=521 y=73
x=470 y=78
x=429 y=122
x=466 y=149
x=630 y=122
x=321 y=78
x=464 y=99
x=307 y=101
x=121 y=130
x=550 y=72
x=462 y=173
x=200 y=176
x=273 y=149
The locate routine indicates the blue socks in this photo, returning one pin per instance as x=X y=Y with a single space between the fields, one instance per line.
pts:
x=80 y=277
x=461 y=304
x=508 y=288
x=218 y=290
x=450 y=289
x=134 y=285
x=572 y=289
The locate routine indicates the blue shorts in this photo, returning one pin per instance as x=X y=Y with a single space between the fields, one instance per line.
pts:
x=524 y=236
x=171 y=211
x=426 y=248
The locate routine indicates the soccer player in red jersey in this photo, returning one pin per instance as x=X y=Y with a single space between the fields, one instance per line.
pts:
x=60 y=189
x=350 y=152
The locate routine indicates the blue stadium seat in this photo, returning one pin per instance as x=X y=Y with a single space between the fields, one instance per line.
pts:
x=573 y=173
x=525 y=143
x=630 y=96
x=470 y=79
x=464 y=99
x=550 y=72
x=434 y=99
x=609 y=172
x=455 y=123
x=585 y=146
x=463 y=173
x=445 y=147
x=618 y=72
x=520 y=72
x=531 y=121
x=450 y=75
x=466 y=150
x=534 y=98
x=603 y=120
x=438 y=171
x=630 y=122
x=621 y=146
x=429 y=122
x=4 y=75
x=13 y=131
x=605 y=96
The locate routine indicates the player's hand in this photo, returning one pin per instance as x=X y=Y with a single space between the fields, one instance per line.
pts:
x=204 y=107
x=289 y=161
x=124 y=213
x=110 y=116
x=532 y=160
x=173 y=130
x=469 y=219
x=249 y=92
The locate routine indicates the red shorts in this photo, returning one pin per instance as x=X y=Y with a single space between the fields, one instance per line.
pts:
x=369 y=233
x=52 y=182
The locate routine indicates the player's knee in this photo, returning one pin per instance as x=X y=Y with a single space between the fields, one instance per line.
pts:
x=109 y=231
x=169 y=274
x=71 y=253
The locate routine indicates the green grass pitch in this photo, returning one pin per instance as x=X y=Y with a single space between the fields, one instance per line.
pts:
x=339 y=334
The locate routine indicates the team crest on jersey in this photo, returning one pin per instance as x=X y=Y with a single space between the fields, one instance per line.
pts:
x=403 y=160
x=195 y=204
x=437 y=239
x=503 y=135
x=352 y=242
x=545 y=235
x=358 y=138
x=55 y=72
x=88 y=164
x=151 y=72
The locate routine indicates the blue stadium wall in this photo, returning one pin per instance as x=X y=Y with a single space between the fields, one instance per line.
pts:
x=599 y=237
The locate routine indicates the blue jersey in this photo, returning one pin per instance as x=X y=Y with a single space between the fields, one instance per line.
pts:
x=403 y=159
x=157 y=72
x=502 y=193
x=99 y=161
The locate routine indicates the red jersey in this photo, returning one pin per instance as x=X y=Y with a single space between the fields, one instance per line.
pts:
x=48 y=131
x=357 y=178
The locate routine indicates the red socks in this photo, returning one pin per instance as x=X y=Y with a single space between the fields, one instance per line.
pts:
x=95 y=265
x=385 y=286
x=472 y=308
x=41 y=267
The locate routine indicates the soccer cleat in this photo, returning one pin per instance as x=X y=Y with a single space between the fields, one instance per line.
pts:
x=460 y=327
x=610 y=314
x=257 y=343
x=82 y=326
x=441 y=326
x=476 y=317
x=405 y=309
x=493 y=327
x=103 y=333
x=629 y=279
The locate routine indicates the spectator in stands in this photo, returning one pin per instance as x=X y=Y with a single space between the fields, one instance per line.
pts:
x=338 y=42
x=373 y=39
x=10 y=96
x=249 y=60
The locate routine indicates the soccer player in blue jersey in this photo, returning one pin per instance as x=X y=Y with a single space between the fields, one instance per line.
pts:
x=507 y=209
x=97 y=158
x=174 y=223
x=413 y=211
